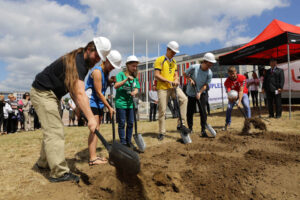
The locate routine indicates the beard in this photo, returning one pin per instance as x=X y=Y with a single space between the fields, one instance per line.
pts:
x=90 y=62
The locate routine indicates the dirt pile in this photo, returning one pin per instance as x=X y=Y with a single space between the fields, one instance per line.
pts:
x=231 y=166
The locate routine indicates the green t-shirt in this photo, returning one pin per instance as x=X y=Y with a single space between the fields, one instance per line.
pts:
x=123 y=97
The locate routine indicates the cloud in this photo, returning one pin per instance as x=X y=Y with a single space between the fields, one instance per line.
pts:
x=188 y=22
x=35 y=32
x=237 y=40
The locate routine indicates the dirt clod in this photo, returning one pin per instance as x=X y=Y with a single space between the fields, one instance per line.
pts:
x=256 y=122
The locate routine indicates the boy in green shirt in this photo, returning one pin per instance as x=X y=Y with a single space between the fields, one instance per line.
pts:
x=127 y=87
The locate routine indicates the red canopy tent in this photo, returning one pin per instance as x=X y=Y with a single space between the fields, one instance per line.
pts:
x=272 y=42
x=278 y=40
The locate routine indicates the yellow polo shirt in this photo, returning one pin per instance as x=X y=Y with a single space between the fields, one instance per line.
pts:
x=167 y=69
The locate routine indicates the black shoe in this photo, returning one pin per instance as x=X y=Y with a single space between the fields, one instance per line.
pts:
x=203 y=133
x=278 y=117
x=66 y=177
x=184 y=129
x=271 y=116
x=161 y=137
x=178 y=127
x=131 y=146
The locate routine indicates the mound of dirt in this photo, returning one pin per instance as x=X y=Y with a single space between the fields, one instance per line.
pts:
x=221 y=168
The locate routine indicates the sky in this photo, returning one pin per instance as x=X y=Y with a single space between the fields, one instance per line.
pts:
x=34 y=33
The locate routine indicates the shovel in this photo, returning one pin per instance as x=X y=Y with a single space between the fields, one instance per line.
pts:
x=244 y=114
x=184 y=132
x=120 y=156
x=139 y=140
x=207 y=126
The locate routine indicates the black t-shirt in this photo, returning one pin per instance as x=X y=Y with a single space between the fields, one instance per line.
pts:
x=53 y=76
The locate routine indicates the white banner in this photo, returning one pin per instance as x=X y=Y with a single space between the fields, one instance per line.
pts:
x=215 y=91
x=295 y=75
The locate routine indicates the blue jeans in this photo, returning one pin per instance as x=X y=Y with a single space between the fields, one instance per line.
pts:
x=122 y=116
x=246 y=105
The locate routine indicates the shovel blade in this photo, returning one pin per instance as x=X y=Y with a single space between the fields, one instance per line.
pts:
x=211 y=130
x=185 y=137
x=139 y=140
x=124 y=159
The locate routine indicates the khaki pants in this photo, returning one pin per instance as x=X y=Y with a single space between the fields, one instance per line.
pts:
x=52 y=154
x=28 y=121
x=163 y=97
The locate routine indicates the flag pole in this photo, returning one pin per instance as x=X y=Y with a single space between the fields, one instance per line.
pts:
x=133 y=43
x=147 y=83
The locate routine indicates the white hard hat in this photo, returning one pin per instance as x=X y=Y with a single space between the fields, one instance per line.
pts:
x=174 y=46
x=103 y=46
x=115 y=59
x=132 y=58
x=209 y=57
x=232 y=94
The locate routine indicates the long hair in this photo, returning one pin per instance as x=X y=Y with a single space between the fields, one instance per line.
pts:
x=71 y=74
x=126 y=70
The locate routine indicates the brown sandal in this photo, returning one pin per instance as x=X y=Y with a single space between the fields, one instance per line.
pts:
x=94 y=162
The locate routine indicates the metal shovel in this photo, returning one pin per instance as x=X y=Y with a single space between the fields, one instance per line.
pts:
x=207 y=126
x=184 y=131
x=139 y=140
x=120 y=156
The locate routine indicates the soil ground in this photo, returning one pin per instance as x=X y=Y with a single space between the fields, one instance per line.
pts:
x=257 y=165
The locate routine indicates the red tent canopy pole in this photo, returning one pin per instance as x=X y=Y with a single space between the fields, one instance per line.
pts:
x=289 y=75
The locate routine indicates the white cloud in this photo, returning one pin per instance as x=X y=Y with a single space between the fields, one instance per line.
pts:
x=237 y=40
x=35 y=32
x=189 y=22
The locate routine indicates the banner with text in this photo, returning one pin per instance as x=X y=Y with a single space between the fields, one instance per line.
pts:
x=215 y=91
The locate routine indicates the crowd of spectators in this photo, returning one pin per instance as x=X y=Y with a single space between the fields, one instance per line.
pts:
x=16 y=116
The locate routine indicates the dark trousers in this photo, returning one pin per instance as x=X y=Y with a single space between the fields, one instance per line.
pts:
x=123 y=116
x=191 y=108
x=37 y=123
x=107 y=117
x=254 y=96
x=1 y=122
x=5 y=122
x=12 y=123
x=153 y=108
x=272 y=97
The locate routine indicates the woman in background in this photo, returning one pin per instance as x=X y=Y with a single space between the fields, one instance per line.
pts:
x=253 y=87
